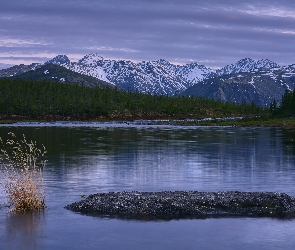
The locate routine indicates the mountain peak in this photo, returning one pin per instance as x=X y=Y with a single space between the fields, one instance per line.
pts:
x=91 y=59
x=247 y=65
x=59 y=60
x=246 y=60
x=163 y=61
x=266 y=63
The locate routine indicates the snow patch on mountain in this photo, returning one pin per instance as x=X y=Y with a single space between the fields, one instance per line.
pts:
x=194 y=72
x=91 y=59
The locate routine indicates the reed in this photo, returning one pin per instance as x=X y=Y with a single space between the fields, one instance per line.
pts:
x=23 y=162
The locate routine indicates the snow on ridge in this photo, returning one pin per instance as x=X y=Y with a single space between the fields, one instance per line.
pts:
x=288 y=74
x=266 y=63
x=91 y=59
x=59 y=60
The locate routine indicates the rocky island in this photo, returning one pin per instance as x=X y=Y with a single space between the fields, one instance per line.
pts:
x=169 y=205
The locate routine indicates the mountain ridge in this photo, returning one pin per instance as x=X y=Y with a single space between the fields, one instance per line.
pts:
x=56 y=73
x=156 y=77
x=260 y=87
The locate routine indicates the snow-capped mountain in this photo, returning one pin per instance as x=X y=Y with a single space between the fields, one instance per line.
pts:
x=59 y=60
x=155 y=77
x=260 y=86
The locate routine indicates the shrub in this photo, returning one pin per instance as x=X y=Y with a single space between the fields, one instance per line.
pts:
x=23 y=164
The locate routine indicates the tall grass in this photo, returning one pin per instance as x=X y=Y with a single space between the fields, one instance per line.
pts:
x=23 y=164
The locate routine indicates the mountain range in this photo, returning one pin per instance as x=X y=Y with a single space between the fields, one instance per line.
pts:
x=247 y=80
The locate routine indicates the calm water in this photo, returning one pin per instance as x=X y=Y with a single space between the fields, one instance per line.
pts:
x=85 y=159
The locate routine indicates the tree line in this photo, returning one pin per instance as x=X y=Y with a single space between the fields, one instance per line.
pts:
x=43 y=98
x=286 y=108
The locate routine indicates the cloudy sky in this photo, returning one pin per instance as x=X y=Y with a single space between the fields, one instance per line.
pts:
x=212 y=32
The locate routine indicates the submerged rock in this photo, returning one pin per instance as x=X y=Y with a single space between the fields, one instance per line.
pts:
x=190 y=204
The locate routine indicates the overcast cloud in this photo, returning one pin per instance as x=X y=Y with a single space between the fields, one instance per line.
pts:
x=212 y=32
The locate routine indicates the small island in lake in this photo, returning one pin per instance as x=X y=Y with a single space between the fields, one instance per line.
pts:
x=168 y=205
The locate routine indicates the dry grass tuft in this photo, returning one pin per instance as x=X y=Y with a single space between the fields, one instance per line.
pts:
x=23 y=162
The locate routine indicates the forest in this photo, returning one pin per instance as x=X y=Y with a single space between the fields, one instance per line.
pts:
x=44 y=99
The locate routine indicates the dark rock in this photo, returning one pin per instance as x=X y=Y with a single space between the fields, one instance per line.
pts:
x=191 y=204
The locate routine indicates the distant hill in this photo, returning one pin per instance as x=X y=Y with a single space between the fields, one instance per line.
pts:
x=19 y=69
x=56 y=73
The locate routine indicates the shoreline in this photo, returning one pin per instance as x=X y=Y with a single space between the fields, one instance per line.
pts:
x=209 y=121
x=168 y=205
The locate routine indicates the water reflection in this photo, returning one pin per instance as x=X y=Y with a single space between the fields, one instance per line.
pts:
x=84 y=160
x=25 y=230
x=289 y=142
x=157 y=158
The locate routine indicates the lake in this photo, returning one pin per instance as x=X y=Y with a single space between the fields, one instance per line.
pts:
x=87 y=158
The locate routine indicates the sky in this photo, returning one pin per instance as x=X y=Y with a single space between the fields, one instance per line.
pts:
x=214 y=33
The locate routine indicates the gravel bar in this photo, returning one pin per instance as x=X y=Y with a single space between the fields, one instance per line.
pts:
x=186 y=204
